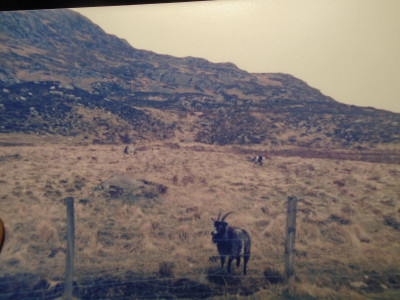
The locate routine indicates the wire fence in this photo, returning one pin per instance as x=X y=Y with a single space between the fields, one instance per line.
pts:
x=155 y=282
x=118 y=281
x=109 y=279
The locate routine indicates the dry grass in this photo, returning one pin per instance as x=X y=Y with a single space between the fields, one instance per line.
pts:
x=344 y=217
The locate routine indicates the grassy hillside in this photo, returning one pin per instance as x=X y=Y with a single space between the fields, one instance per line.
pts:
x=155 y=229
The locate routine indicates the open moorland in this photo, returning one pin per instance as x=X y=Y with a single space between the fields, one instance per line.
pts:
x=143 y=220
x=72 y=97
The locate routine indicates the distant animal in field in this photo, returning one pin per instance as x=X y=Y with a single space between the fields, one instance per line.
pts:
x=257 y=160
x=232 y=242
x=129 y=150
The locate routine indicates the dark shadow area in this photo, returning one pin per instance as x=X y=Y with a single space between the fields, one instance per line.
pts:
x=224 y=283
x=27 y=286
x=131 y=285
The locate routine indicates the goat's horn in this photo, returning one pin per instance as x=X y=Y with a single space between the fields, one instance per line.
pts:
x=219 y=215
x=223 y=218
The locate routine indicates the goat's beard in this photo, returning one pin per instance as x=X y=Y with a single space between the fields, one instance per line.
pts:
x=216 y=237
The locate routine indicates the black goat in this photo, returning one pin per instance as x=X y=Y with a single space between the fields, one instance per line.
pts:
x=257 y=160
x=231 y=241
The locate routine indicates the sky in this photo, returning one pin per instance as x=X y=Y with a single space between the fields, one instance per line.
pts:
x=348 y=49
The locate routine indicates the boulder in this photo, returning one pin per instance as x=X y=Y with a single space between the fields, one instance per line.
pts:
x=122 y=181
x=358 y=284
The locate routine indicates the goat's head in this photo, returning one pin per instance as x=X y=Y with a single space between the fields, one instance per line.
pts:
x=220 y=227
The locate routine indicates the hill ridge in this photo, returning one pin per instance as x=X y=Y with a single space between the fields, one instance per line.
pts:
x=62 y=56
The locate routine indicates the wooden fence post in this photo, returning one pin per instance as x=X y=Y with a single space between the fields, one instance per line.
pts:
x=290 y=239
x=69 y=268
x=2 y=234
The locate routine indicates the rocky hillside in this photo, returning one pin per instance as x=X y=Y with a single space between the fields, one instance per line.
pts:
x=62 y=74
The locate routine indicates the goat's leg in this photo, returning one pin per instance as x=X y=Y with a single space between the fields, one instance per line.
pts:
x=246 y=259
x=222 y=261
x=238 y=261
x=238 y=251
x=229 y=263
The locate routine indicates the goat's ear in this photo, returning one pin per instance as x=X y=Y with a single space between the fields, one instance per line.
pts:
x=224 y=223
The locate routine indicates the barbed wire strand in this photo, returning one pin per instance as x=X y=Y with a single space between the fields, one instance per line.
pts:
x=298 y=270
x=301 y=265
